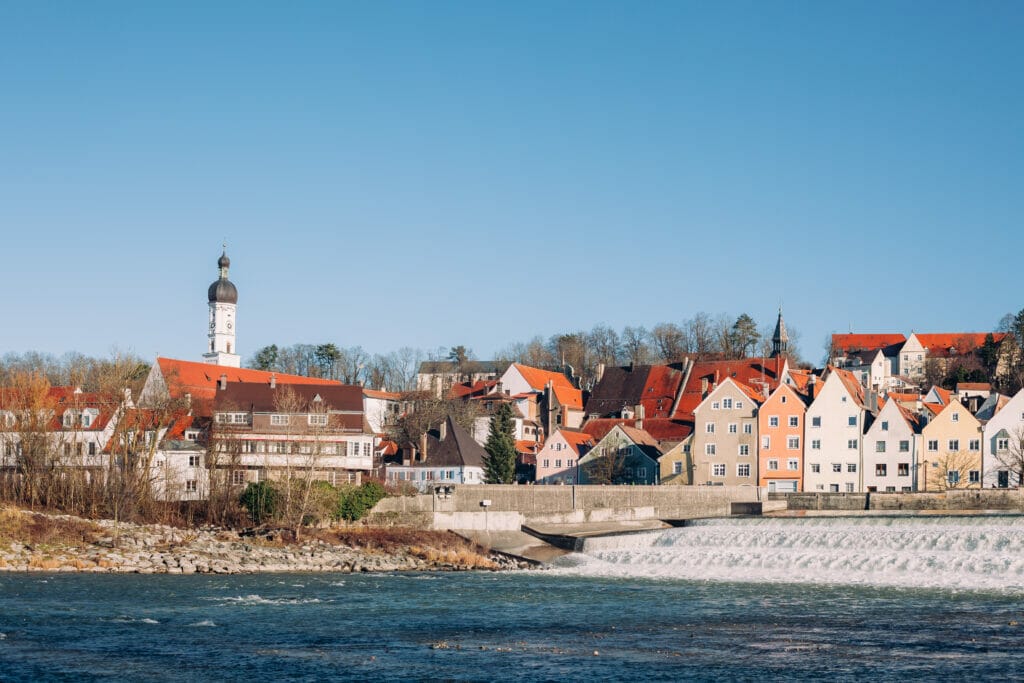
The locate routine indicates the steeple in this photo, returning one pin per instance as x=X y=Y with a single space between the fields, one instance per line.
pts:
x=780 y=340
x=223 y=299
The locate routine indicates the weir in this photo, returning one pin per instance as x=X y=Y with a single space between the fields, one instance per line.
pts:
x=957 y=552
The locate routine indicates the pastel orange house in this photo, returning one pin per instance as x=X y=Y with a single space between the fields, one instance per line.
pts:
x=780 y=427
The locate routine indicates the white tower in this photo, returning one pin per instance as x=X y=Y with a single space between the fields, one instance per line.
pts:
x=223 y=299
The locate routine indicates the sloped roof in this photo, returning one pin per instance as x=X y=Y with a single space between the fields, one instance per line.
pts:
x=457 y=449
x=963 y=342
x=973 y=386
x=576 y=439
x=384 y=395
x=748 y=371
x=261 y=398
x=843 y=344
x=434 y=367
x=662 y=429
x=647 y=443
x=472 y=389
x=568 y=395
x=853 y=387
x=200 y=379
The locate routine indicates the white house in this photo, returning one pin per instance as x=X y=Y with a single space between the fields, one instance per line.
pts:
x=833 y=427
x=890 y=449
x=1003 y=453
x=446 y=455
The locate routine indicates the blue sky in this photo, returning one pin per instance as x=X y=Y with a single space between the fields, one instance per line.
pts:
x=429 y=174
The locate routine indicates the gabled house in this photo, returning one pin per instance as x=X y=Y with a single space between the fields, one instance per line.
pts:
x=725 y=435
x=1004 y=445
x=780 y=426
x=677 y=464
x=951 y=453
x=437 y=377
x=891 y=446
x=834 y=423
x=445 y=455
x=626 y=455
x=559 y=401
x=558 y=460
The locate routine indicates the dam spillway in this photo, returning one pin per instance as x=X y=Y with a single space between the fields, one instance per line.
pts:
x=983 y=552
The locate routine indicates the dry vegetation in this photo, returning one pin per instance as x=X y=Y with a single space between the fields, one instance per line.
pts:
x=431 y=546
x=37 y=529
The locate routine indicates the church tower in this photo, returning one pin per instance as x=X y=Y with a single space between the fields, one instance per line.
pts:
x=780 y=340
x=223 y=299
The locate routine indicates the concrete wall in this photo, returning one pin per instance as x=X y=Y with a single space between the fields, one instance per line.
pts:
x=509 y=507
x=965 y=499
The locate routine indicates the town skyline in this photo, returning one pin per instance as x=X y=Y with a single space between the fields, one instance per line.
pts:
x=452 y=175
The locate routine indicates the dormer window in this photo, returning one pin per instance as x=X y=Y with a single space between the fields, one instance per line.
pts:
x=318 y=420
x=69 y=419
x=86 y=420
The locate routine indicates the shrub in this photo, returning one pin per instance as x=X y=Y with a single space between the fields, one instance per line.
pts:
x=356 y=501
x=262 y=501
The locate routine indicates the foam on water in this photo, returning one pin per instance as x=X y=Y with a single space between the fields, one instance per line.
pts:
x=260 y=600
x=204 y=622
x=961 y=553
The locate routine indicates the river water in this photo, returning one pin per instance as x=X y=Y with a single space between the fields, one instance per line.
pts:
x=738 y=600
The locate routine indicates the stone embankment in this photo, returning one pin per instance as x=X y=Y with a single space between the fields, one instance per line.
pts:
x=155 y=549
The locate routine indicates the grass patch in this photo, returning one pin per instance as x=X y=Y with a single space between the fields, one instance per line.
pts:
x=437 y=547
x=17 y=526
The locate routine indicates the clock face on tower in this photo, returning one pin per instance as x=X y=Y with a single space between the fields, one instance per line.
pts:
x=229 y=324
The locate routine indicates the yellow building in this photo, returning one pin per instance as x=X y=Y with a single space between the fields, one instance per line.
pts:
x=951 y=450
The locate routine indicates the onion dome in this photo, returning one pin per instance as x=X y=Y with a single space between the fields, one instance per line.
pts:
x=222 y=290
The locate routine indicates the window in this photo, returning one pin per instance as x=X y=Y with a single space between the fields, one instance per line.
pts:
x=709 y=428
x=933 y=445
x=833 y=488
x=709 y=449
x=727 y=403
x=69 y=419
x=773 y=465
x=732 y=428
x=852 y=443
x=718 y=470
x=816 y=421
x=783 y=399
x=956 y=417
x=677 y=467
x=816 y=444
x=904 y=446
x=766 y=442
x=879 y=447
x=318 y=420
x=773 y=421
x=849 y=488
x=558 y=463
x=715 y=405
x=86 y=419
x=843 y=399
x=547 y=463
x=885 y=426
x=1002 y=444
x=903 y=469
x=744 y=449
x=794 y=421
x=748 y=429
x=92 y=448
x=890 y=489
x=238 y=477
x=739 y=405
x=954 y=444
x=793 y=443
x=193 y=461
x=792 y=464
x=837 y=467
x=851 y=467
x=816 y=468
x=974 y=444
x=974 y=476
x=880 y=469
x=953 y=477
x=366 y=449
x=852 y=421
x=279 y=420
x=743 y=470
x=686 y=449
x=191 y=486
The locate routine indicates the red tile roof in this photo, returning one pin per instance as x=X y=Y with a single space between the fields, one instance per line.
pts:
x=385 y=395
x=568 y=395
x=661 y=429
x=846 y=343
x=749 y=371
x=963 y=342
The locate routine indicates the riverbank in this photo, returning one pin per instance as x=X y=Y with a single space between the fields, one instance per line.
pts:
x=33 y=541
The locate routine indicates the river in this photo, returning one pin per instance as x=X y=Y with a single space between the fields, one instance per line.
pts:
x=734 y=599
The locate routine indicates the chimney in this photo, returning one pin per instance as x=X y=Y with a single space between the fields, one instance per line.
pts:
x=641 y=412
x=222 y=384
x=423 y=447
x=273 y=380
x=600 y=372
x=703 y=387
x=444 y=429
x=128 y=396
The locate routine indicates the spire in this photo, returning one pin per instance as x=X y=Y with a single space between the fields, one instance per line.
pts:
x=780 y=340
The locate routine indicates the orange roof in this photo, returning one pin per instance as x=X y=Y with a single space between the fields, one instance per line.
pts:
x=748 y=371
x=660 y=428
x=973 y=386
x=386 y=395
x=527 y=446
x=568 y=395
x=853 y=386
x=936 y=408
x=843 y=343
x=904 y=397
x=200 y=379
x=471 y=389
x=961 y=341
x=577 y=439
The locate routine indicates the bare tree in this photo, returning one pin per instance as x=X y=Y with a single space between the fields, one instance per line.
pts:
x=951 y=470
x=669 y=342
x=636 y=345
x=1009 y=456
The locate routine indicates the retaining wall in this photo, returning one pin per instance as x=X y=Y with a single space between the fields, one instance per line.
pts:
x=966 y=499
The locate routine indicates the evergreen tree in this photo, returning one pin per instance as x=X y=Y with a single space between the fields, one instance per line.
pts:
x=500 y=462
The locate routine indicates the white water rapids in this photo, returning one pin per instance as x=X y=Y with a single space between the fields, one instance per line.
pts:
x=960 y=553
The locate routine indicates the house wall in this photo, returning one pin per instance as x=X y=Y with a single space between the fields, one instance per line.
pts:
x=1008 y=423
x=775 y=458
x=829 y=444
x=557 y=462
x=892 y=431
x=727 y=444
x=954 y=423
x=676 y=464
x=634 y=465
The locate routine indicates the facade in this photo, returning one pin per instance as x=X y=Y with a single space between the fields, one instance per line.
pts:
x=780 y=428
x=725 y=436
x=381 y=408
x=223 y=300
x=559 y=401
x=274 y=431
x=557 y=461
x=890 y=449
x=439 y=376
x=676 y=464
x=626 y=455
x=951 y=450
x=1004 y=445
x=446 y=455
x=834 y=423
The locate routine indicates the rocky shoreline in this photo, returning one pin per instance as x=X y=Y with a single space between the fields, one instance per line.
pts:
x=157 y=549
